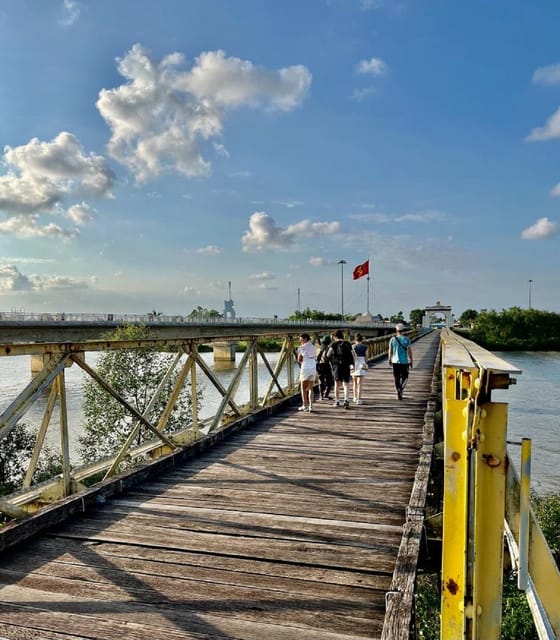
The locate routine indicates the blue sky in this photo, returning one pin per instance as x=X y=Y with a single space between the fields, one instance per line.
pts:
x=154 y=151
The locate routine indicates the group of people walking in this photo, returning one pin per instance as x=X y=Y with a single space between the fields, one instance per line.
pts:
x=339 y=360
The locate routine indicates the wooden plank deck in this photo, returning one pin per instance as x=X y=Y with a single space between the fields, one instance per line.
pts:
x=288 y=530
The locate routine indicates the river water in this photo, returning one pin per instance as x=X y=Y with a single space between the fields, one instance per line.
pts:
x=15 y=374
x=534 y=404
x=534 y=412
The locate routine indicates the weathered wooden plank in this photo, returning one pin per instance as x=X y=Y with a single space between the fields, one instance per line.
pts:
x=88 y=618
x=238 y=570
x=361 y=509
x=290 y=529
x=163 y=607
x=398 y=617
x=373 y=557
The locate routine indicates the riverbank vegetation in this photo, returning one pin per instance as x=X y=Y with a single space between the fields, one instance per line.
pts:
x=137 y=375
x=512 y=329
x=517 y=621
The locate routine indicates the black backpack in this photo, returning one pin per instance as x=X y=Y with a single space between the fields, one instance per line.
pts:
x=342 y=353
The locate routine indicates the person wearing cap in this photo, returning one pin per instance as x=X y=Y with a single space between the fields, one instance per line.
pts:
x=324 y=369
x=400 y=358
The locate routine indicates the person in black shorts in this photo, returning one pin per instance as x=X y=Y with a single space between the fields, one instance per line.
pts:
x=324 y=369
x=341 y=357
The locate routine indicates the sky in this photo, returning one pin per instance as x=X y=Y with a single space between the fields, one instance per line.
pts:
x=160 y=154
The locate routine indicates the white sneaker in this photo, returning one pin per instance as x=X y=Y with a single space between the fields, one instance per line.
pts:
x=309 y=409
x=302 y=408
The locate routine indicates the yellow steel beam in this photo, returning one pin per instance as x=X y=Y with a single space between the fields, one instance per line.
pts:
x=455 y=506
x=489 y=460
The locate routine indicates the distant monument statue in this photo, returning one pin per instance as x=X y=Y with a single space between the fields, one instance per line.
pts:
x=229 y=311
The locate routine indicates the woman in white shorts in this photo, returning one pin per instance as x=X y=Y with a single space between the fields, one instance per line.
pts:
x=307 y=359
x=360 y=367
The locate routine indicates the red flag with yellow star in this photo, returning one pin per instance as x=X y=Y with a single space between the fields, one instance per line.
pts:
x=361 y=270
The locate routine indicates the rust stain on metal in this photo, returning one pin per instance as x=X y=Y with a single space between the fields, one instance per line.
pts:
x=491 y=460
x=455 y=456
x=452 y=586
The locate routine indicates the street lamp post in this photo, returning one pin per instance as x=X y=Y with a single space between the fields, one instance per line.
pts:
x=530 y=284
x=342 y=263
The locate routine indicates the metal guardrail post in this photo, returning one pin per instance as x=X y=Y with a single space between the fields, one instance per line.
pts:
x=455 y=507
x=475 y=465
x=524 y=509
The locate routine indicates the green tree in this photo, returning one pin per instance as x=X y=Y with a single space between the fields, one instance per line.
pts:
x=517 y=328
x=398 y=317
x=134 y=374
x=314 y=314
x=468 y=316
x=201 y=313
x=15 y=452
x=416 y=316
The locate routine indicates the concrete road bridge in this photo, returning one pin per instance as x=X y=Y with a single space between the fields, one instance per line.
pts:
x=265 y=522
x=77 y=327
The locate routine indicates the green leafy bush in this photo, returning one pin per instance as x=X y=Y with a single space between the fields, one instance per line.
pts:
x=134 y=374
x=15 y=452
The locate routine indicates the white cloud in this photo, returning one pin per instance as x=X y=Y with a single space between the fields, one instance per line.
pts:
x=290 y=204
x=422 y=217
x=29 y=226
x=543 y=228
x=162 y=114
x=71 y=12
x=41 y=176
x=81 y=213
x=372 y=67
x=13 y=280
x=550 y=130
x=231 y=82
x=189 y=289
x=25 y=260
x=221 y=150
x=211 y=250
x=417 y=217
x=317 y=261
x=264 y=234
x=547 y=75
x=556 y=191
x=41 y=283
x=265 y=275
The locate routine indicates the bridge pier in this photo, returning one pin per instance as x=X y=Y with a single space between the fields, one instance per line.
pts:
x=38 y=361
x=224 y=352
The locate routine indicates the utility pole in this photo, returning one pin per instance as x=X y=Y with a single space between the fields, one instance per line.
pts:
x=342 y=263
x=530 y=283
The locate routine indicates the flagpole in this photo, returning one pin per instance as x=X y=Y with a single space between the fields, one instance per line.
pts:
x=368 y=287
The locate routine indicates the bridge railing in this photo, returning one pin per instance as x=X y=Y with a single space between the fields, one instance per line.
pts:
x=48 y=387
x=165 y=319
x=479 y=481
